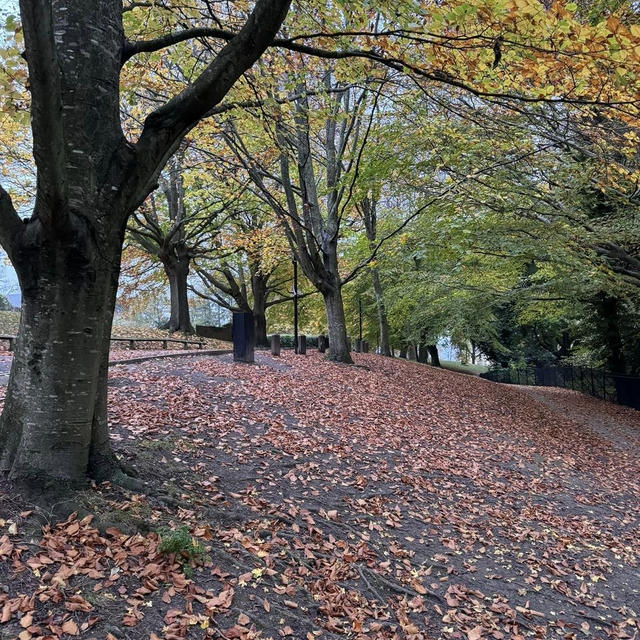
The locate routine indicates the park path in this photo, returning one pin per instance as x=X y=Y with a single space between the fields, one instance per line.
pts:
x=119 y=356
x=619 y=425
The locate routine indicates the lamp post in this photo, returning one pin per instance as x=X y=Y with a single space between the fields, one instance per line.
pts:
x=295 y=305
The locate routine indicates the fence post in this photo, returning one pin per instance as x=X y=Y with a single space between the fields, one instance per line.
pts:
x=243 y=337
x=275 y=344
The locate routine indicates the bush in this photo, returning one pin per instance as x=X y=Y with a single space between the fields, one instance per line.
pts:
x=286 y=341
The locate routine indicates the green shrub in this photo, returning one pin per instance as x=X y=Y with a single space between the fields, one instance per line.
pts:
x=181 y=543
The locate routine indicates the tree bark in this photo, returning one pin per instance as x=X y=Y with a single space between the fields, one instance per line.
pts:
x=259 y=293
x=338 y=345
x=383 y=323
x=54 y=420
x=90 y=179
x=433 y=352
x=177 y=271
x=608 y=308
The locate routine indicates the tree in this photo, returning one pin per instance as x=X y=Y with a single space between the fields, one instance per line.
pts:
x=245 y=273
x=91 y=177
x=178 y=229
x=67 y=254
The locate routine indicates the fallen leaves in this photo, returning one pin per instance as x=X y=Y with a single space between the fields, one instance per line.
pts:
x=388 y=502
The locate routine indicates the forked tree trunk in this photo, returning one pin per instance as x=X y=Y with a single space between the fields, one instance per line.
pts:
x=67 y=255
x=338 y=346
x=433 y=352
x=56 y=425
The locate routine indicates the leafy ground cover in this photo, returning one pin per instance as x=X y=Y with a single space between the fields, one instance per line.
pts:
x=303 y=499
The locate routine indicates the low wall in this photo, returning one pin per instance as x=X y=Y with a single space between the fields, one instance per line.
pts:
x=217 y=333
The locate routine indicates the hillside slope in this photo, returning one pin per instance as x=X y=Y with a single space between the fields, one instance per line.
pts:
x=386 y=500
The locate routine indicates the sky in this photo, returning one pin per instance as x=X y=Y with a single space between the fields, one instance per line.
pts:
x=9 y=6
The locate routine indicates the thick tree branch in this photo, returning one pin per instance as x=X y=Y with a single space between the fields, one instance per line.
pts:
x=11 y=226
x=398 y=64
x=165 y=126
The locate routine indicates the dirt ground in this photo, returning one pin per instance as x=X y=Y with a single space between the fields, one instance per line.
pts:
x=383 y=500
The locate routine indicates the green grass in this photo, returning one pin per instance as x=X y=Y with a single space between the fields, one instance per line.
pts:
x=471 y=369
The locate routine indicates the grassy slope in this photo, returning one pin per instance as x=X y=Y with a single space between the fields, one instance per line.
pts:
x=472 y=369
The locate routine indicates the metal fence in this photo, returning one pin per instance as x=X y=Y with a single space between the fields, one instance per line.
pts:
x=594 y=382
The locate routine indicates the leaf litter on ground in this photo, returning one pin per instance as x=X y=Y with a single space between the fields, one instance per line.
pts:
x=386 y=500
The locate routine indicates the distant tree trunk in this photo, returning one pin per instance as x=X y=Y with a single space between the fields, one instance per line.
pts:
x=368 y=207
x=383 y=323
x=177 y=270
x=403 y=352
x=433 y=352
x=473 y=352
x=423 y=353
x=338 y=345
x=608 y=308
x=259 y=292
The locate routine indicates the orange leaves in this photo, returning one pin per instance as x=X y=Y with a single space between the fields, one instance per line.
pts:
x=424 y=504
x=222 y=601
x=71 y=628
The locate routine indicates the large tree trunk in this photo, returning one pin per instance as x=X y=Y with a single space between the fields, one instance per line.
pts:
x=54 y=422
x=433 y=352
x=67 y=255
x=177 y=271
x=383 y=324
x=338 y=345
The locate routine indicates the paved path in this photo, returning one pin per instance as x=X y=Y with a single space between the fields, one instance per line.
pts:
x=120 y=356
x=620 y=425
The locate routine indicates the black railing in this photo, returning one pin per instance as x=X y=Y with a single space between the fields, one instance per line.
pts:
x=594 y=382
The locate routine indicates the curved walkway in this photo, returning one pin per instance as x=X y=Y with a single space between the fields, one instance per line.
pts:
x=620 y=425
x=122 y=356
